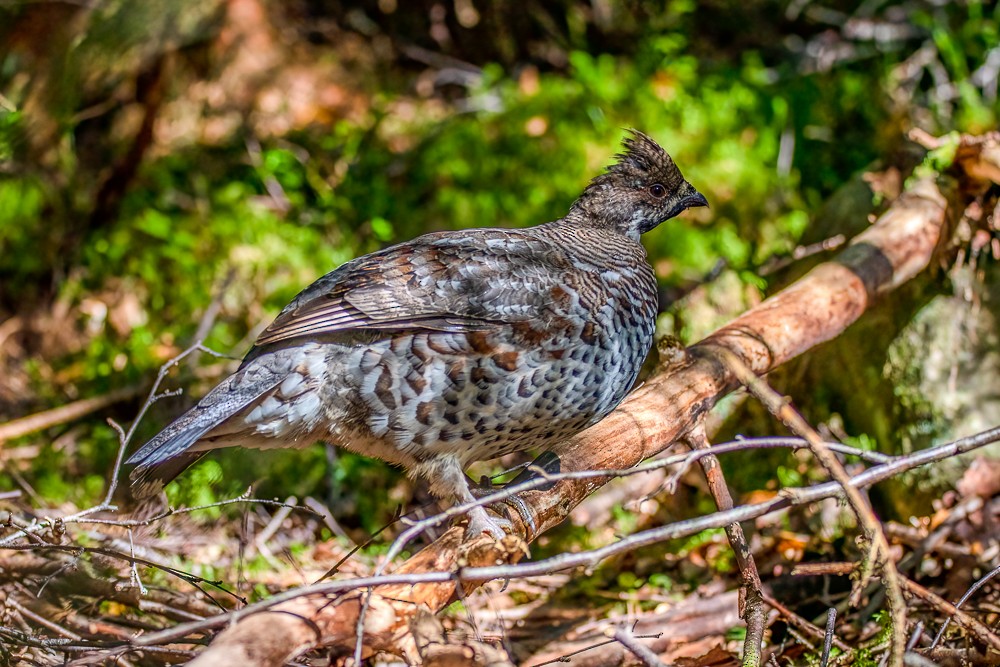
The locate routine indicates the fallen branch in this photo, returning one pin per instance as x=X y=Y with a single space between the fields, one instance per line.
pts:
x=123 y=440
x=804 y=626
x=751 y=594
x=979 y=583
x=645 y=655
x=878 y=553
x=62 y=569
x=17 y=428
x=815 y=309
x=474 y=575
x=974 y=627
x=979 y=630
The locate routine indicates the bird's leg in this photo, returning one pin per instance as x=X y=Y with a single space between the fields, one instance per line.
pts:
x=448 y=480
x=547 y=463
x=485 y=487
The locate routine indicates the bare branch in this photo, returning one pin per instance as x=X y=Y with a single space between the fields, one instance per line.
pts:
x=124 y=438
x=408 y=579
x=23 y=426
x=630 y=641
x=751 y=600
x=802 y=624
x=829 y=636
x=874 y=535
x=979 y=583
x=192 y=579
x=970 y=624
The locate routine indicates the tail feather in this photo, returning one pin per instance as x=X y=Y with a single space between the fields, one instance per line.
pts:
x=169 y=453
x=148 y=480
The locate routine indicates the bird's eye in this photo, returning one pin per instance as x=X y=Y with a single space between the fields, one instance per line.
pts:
x=657 y=190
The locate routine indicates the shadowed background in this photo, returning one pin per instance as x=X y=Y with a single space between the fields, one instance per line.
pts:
x=171 y=171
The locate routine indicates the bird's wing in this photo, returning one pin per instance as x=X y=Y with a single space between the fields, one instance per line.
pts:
x=451 y=281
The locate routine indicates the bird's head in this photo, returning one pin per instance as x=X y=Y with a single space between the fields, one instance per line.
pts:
x=639 y=191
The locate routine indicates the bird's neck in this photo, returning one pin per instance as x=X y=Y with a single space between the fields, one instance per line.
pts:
x=581 y=216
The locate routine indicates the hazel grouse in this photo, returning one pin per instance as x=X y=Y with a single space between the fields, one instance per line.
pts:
x=454 y=347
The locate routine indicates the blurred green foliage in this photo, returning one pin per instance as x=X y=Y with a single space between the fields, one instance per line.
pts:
x=766 y=117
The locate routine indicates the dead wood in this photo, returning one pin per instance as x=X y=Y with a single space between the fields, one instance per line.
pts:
x=751 y=594
x=689 y=629
x=17 y=428
x=676 y=399
x=974 y=627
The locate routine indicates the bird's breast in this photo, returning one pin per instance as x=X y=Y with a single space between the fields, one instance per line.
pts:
x=528 y=383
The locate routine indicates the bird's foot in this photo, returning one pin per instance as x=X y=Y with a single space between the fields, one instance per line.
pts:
x=546 y=463
x=480 y=490
x=480 y=521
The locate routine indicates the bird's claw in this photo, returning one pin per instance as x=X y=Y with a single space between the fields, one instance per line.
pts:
x=480 y=521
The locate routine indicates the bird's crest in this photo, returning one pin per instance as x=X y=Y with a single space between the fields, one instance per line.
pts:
x=641 y=154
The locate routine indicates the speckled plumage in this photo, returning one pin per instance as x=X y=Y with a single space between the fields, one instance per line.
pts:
x=454 y=347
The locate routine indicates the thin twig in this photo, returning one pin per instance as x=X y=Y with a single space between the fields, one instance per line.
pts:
x=643 y=653
x=192 y=579
x=775 y=263
x=676 y=530
x=27 y=613
x=752 y=608
x=918 y=630
x=831 y=632
x=958 y=605
x=566 y=656
x=969 y=623
x=124 y=439
x=802 y=624
x=133 y=568
x=874 y=534
x=173 y=511
x=214 y=307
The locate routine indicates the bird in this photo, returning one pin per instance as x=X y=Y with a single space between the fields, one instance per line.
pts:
x=454 y=347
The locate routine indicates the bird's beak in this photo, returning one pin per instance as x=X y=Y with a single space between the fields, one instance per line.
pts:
x=694 y=200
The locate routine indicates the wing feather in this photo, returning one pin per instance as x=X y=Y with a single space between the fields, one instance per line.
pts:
x=449 y=281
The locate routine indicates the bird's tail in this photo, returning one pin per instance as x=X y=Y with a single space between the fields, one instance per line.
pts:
x=173 y=449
